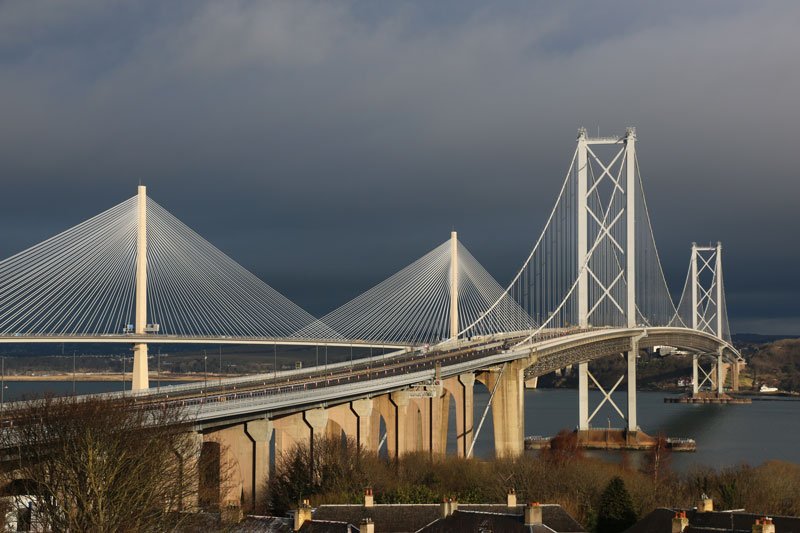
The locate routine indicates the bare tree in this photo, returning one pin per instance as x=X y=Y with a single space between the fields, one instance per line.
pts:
x=96 y=465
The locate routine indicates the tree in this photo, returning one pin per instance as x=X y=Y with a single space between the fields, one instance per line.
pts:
x=615 y=512
x=99 y=465
x=337 y=469
x=657 y=461
x=563 y=448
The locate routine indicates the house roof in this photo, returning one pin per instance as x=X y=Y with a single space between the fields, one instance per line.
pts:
x=660 y=521
x=402 y=518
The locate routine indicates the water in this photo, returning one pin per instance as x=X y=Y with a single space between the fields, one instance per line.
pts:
x=726 y=435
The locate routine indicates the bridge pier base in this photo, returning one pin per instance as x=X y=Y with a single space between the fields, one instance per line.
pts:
x=508 y=408
x=465 y=414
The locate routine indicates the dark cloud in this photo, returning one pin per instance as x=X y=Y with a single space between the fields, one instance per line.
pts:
x=325 y=145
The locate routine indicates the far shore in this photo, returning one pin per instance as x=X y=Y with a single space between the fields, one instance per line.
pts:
x=106 y=376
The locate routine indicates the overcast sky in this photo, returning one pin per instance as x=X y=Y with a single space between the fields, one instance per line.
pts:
x=325 y=145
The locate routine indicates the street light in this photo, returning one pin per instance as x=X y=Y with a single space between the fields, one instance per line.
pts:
x=205 y=366
x=158 y=379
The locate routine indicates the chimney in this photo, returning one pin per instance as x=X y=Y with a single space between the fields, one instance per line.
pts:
x=367 y=526
x=511 y=498
x=449 y=506
x=302 y=515
x=369 y=500
x=705 y=505
x=764 y=525
x=679 y=522
x=533 y=514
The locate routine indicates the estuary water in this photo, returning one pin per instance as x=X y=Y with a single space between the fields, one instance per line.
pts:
x=726 y=434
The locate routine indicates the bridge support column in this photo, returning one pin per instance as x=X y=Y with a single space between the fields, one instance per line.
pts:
x=465 y=414
x=508 y=408
x=439 y=408
x=396 y=419
x=583 y=397
x=695 y=374
x=720 y=373
x=735 y=369
x=242 y=462
x=362 y=409
x=259 y=432
x=140 y=379
x=633 y=426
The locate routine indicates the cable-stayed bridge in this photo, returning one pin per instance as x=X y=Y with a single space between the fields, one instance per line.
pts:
x=592 y=286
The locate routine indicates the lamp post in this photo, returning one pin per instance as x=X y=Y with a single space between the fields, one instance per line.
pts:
x=220 y=365
x=205 y=372
x=158 y=372
x=73 y=372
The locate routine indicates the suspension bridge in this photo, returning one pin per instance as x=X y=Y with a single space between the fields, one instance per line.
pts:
x=592 y=286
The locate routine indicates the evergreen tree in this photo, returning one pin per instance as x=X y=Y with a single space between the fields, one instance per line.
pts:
x=616 y=512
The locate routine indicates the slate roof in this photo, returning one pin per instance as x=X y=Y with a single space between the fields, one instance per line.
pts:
x=275 y=524
x=394 y=518
x=327 y=526
x=660 y=521
x=407 y=518
x=264 y=524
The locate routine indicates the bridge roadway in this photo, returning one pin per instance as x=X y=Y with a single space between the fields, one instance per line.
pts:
x=234 y=400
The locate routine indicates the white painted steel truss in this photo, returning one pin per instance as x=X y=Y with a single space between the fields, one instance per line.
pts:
x=606 y=209
x=706 y=286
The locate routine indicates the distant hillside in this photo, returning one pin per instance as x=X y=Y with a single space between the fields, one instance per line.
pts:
x=777 y=364
x=758 y=338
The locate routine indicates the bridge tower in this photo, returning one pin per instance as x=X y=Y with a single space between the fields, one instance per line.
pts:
x=707 y=306
x=623 y=182
x=454 y=327
x=140 y=372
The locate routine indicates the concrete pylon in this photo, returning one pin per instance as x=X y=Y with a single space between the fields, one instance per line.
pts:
x=454 y=327
x=140 y=380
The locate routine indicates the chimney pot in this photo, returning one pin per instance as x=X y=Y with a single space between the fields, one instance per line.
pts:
x=764 y=525
x=302 y=515
x=679 y=522
x=369 y=499
x=367 y=526
x=705 y=505
x=533 y=514
x=449 y=506
x=511 y=499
